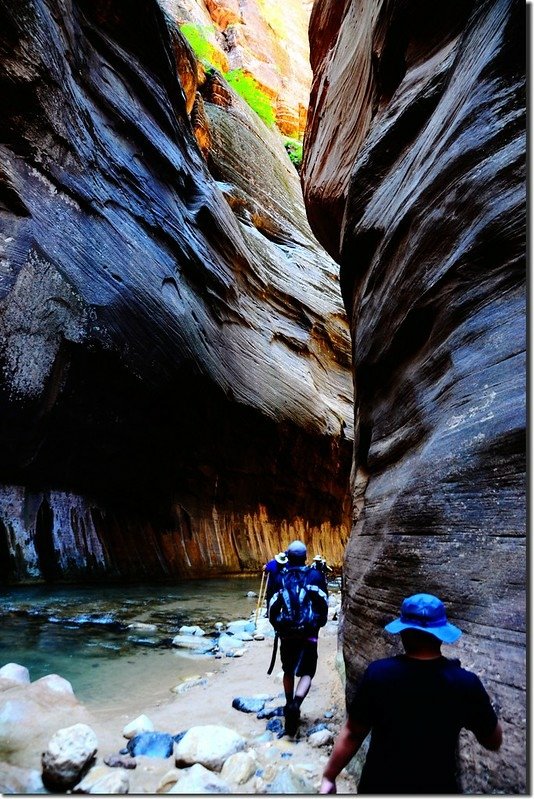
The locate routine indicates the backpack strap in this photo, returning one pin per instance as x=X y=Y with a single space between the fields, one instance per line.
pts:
x=273 y=658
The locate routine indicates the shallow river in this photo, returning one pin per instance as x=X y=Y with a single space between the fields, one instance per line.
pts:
x=82 y=634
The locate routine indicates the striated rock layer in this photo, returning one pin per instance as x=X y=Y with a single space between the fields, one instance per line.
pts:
x=176 y=395
x=414 y=179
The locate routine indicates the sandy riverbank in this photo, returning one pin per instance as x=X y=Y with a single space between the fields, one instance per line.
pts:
x=211 y=703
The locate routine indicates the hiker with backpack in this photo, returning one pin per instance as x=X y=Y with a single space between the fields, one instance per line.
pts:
x=297 y=609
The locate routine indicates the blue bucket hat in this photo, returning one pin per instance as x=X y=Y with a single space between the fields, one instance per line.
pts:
x=425 y=612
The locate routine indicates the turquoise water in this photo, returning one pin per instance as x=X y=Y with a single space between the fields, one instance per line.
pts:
x=81 y=633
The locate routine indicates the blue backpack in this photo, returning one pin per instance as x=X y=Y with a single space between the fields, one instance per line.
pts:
x=297 y=608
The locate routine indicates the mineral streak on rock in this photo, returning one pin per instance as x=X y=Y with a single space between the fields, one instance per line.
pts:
x=167 y=334
x=414 y=178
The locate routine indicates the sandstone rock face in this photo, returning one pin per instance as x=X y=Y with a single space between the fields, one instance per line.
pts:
x=268 y=39
x=176 y=394
x=414 y=178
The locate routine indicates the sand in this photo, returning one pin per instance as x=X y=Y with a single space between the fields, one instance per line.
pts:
x=211 y=703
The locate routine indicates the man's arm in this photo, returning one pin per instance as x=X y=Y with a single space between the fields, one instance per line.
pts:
x=347 y=744
x=492 y=741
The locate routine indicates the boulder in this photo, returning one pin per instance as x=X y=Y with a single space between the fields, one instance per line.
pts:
x=248 y=704
x=14 y=779
x=192 y=629
x=210 y=745
x=197 y=643
x=288 y=780
x=101 y=780
x=54 y=684
x=68 y=755
x=198 y=779
x=140 y=724
x=239 y=768
x=15 y=673
x=150 y=744
x=320 y=738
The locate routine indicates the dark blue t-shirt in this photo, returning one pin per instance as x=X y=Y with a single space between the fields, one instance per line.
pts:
x=416 y=709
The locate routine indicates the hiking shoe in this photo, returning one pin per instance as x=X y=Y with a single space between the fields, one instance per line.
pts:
x=292 y=716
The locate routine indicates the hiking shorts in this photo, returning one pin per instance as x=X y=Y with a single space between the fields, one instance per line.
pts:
x=299 y=656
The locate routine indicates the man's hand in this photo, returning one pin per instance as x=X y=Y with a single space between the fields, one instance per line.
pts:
x=327 y=786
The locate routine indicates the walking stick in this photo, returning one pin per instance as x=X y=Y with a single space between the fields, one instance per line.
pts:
x=260 y=598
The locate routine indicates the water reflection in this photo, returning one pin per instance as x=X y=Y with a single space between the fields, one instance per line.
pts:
x=83 y=633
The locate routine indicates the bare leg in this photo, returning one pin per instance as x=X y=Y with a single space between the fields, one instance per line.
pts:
x=304 y=685
x=289 y=684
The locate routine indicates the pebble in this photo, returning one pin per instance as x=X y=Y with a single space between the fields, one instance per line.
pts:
x=258 y=637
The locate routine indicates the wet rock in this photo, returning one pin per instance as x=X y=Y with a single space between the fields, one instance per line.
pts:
x=248 y=704
x=192 y=629
x=239 y=768
x=150 y=744
x=186 y=685
x=199 y=779
x=198 y=643
x=317 y=728
x=140 y=724
x=68 y=755
x=100 y=780
x=270 y=713
x=210 y=745
x=15 y=673
x=275 y=725
x=141 y=625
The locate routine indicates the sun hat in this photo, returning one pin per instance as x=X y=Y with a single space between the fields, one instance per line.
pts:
x=281 y=557
x=319 y=557
x=297 y=549
x=427 y=613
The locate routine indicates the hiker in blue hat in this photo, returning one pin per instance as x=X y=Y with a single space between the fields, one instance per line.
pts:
x=414 y=705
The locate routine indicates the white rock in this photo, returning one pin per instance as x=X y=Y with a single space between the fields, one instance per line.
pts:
x=242 y=636
x=239 y=653
x=210 y=745
x=68 y=753
x=258 y=637
x=288 y=781
x=320 y=738
x=227 y=643
x=251 y=593
x=14 y=779
x=239 y=768
x=194 y=642
x=56 y=684
x=140 y=724
x=193 y=629
x=168 y=780
x=141 y=625
x=184 y=686
x=103 y=780
x=16 y=673
x=239 y=626
x=198 y=779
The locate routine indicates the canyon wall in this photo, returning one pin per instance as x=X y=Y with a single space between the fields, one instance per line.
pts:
x=176 y=392
x=414 y=180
